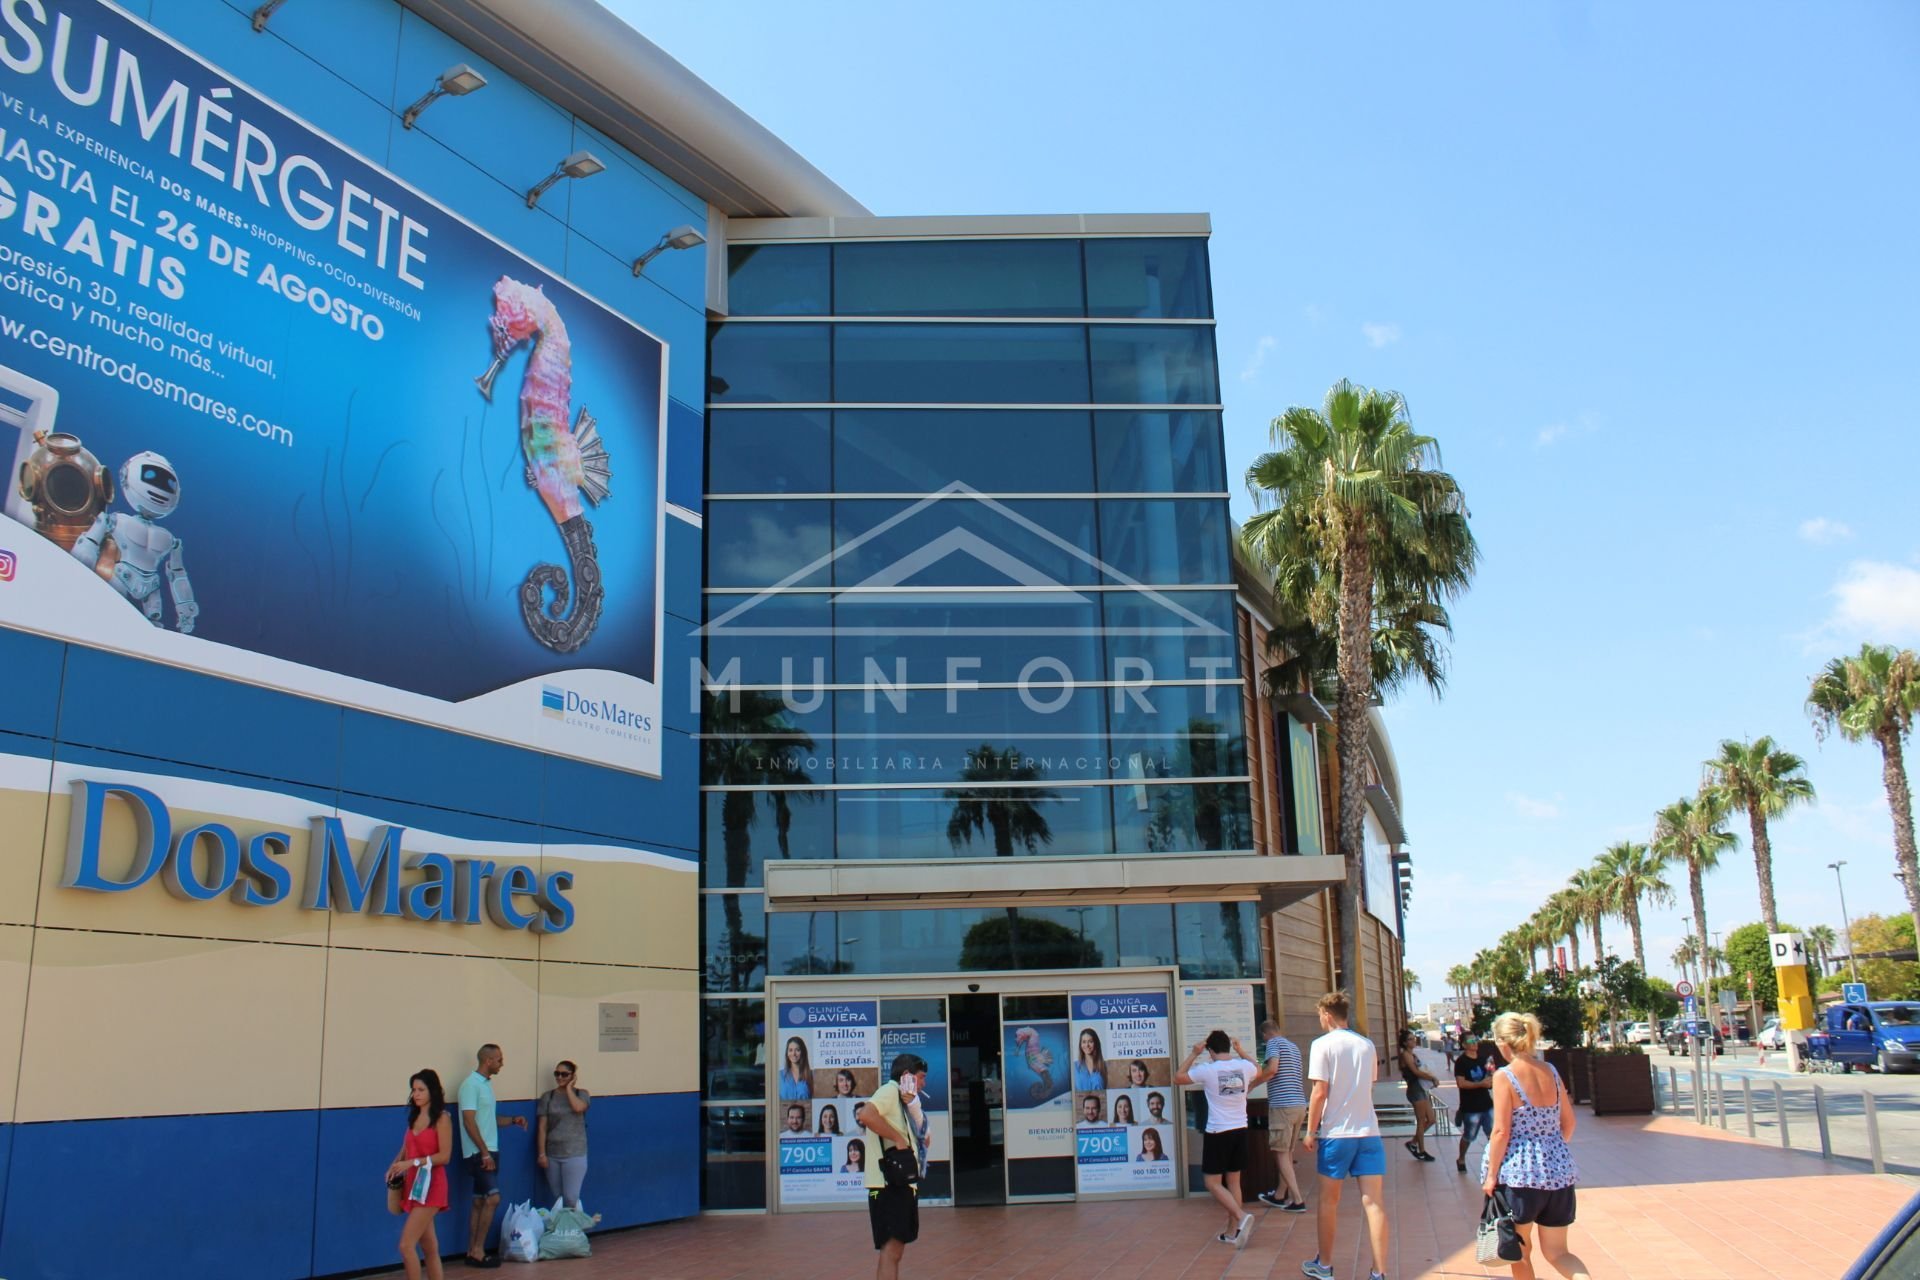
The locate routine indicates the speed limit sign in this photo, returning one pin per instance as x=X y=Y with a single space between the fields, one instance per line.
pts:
x=1683 y=988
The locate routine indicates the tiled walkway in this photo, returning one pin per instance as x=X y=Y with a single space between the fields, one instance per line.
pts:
x=1659 y=1198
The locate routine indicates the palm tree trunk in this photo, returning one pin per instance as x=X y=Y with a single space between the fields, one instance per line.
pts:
x=1356 y=683
x=1900 y=800
x=1699 y=921
x=1598 y=950
x=1573 y=943
x=1633 y=924
x=1763 y=863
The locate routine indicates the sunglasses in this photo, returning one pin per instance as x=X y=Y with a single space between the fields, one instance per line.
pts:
x=563 y=1075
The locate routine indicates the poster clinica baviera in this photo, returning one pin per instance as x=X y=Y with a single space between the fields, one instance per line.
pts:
x=273 y=414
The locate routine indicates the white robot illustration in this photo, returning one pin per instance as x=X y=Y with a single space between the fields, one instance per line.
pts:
x=129 y=551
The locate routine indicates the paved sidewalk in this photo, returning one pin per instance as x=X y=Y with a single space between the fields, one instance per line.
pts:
x=1660 y=1199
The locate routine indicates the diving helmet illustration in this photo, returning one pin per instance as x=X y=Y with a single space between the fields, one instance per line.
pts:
x=66 y=486
x=150 y=484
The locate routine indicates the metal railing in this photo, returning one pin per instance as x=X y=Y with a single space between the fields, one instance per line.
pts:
x=1844 y=1125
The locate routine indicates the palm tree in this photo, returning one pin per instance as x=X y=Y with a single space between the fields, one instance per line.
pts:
x=1010 y=815
x=1684 y=956
x=1822 y=939
x=1633 y=872
x=1875 y=694
x=1760 y=780
x=1560 y=917
x=1589 y=889
x=1460 y=978
x=1354 y=510
x=1693 y=831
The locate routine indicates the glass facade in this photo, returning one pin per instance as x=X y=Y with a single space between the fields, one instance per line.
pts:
x=968 y=596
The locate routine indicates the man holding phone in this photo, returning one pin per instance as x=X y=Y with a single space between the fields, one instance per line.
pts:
x=893 y=1211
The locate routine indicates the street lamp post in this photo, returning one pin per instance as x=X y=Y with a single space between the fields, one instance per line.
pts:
x=1846 y=922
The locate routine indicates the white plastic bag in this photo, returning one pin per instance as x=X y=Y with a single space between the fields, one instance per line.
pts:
x=520 y=1233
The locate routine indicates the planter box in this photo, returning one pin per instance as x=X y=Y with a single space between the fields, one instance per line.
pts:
x=1622 y=1084
x=1572 y=1066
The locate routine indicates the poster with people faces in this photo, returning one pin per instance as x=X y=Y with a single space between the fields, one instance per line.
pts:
x=1121 y=1074
x=827 y=1067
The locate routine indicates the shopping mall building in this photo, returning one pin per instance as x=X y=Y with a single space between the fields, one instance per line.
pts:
x=503 y=550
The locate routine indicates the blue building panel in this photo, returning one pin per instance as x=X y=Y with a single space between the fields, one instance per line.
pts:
x=32 y=666
x=481 y=198
x=381 y=756
x=684 y=569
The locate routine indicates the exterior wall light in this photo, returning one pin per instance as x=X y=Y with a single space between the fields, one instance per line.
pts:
x=265 y=12
x=581 y=164
x=678 y=238
x=456 y=81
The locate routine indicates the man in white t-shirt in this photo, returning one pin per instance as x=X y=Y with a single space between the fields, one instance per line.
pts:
x=1228 y=1076
x=1343 y=1132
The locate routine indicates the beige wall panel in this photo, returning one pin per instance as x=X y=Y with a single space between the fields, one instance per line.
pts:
x=126 y=1025
x=150 y=908
x=16 y=949
x=24 y=782
x=668 y=1060
x=629 y=909
x=389 y=1014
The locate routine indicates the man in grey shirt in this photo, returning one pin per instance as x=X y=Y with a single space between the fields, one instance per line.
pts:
x=562 y=1137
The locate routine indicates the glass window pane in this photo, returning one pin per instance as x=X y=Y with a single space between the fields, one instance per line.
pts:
x=764 y=544
x=758 y=737
x=1159 y=451
x=942 y=823
x=776 y=639
x=992 y=450
x=898 y=1013
x=734 y=931
x=1032 y=1008
x=959 y=278
x=975 y=939
x=733 y=1049
x=1181 y=817
x=1159 y=541
x=770 y=364
x=1169 y=635
x=778 y=280
x=1179 y=731
x=1151 y=364
x=959 y=364
x=768 y=451
x=953 y=637
x=1217 y=939
x=743 y=830
x=733 y=1174
x=1146 y=935
x=964 y=542
x=801 y=943
x=1149 y=278
x=981 y=736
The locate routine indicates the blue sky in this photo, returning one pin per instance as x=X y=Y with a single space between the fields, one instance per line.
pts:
x=1648 y=272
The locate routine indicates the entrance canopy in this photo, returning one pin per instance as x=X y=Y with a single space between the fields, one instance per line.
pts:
x=1212 y=877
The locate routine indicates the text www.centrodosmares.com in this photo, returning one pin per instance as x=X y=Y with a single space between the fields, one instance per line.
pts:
x=84 y=356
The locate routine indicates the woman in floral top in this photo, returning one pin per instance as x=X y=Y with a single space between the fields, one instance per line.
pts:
x=1528 y=1160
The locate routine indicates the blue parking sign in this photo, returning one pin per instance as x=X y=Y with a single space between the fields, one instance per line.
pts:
x=1853 y=992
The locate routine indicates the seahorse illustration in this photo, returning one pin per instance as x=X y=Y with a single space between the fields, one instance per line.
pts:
x=1039 y=1061
x=562 y=462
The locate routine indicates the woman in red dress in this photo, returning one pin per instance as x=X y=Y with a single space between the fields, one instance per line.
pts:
x=421 y=1167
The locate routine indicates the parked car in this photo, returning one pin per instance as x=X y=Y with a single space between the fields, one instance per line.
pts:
x=1895 y=1252
x=1772 y=1036
x=1640 y=1033
x=1680 y=1034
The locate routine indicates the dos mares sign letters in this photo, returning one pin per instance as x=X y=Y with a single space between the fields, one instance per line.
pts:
x=251 y=873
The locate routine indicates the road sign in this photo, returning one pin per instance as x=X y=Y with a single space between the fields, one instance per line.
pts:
x=1692 y=1008
x=1727 y=999
x=1788 y=949
x=1683 y=989
x=1853 y=992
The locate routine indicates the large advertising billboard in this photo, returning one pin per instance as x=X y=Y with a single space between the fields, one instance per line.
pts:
x=271 y=413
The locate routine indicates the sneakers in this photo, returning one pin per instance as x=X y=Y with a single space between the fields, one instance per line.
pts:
x=1227 y=1237
x=1274 y=1200
x=1241 y=1236
x=1314 y=1269
x=1294 y=1206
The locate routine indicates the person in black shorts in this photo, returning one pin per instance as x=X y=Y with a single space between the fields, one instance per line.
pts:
x=1227 y=1077
x=893 y=1211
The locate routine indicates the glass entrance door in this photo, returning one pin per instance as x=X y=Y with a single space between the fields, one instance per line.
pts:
x=977 y=1101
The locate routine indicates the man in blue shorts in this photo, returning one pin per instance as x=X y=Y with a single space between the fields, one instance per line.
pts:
x=1343 y=1133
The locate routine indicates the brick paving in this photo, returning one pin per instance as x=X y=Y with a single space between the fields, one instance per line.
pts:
x=1659 y=1198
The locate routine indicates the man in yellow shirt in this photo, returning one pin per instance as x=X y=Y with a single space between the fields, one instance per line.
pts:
x=893 y=1211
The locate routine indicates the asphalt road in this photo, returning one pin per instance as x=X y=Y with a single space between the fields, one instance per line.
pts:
x=1805 y=1099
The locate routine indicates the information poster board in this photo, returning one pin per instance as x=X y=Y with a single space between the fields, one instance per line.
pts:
x=1039 y=1089
x=1125 y=1119
x=268 y=412
x=1225 y=1006
x=827 y=1066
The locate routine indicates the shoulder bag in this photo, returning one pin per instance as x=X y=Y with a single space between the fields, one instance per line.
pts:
x=1498 y=1240
x=900 y=1166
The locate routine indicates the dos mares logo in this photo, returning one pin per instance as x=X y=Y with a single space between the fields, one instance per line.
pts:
x=210 y=860
x=604 y=714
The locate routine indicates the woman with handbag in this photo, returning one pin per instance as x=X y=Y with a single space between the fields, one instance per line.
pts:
x=417 y=1178
x=1529 y=1169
